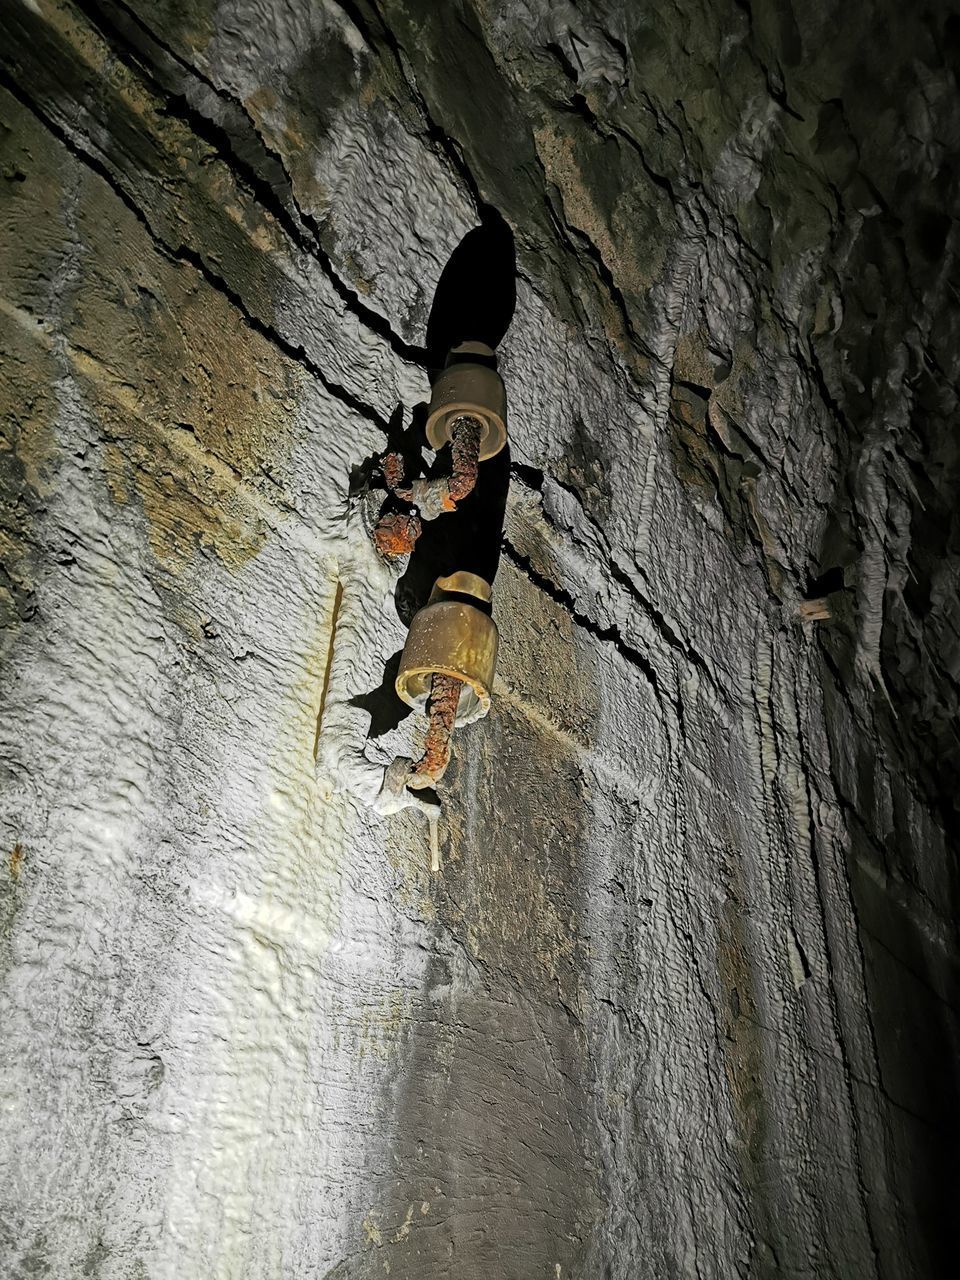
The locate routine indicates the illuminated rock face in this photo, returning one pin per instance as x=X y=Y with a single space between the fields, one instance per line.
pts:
x=683 y=1001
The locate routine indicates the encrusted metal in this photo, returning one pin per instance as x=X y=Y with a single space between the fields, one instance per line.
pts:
x=469 y=388
x=466 y=433
x=441 y=714
x=393 y=470
x=451 y=637
x=396 y=533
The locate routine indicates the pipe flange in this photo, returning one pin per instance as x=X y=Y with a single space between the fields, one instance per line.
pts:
x=454 y=638
x=467 y=389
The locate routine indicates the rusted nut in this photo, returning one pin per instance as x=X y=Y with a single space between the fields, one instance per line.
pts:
x=396 y=533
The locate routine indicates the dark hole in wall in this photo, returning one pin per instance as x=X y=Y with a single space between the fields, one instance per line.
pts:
x=951 y=41
x=474 y=302
x=933 y=227
x=824 y=583
x=477 y=291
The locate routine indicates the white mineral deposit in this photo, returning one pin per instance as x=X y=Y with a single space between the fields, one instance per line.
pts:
x=657 y=978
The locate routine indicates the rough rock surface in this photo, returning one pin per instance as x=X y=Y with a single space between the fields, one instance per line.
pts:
x=683 y=1002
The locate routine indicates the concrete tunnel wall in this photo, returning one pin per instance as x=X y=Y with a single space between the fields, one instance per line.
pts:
x=683 y=1001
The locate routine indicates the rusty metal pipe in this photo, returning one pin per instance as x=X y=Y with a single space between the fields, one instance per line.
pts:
x=396 y=532
x=465 y=439
x=441 y=715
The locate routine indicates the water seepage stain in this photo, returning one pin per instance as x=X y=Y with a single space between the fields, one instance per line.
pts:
x=193 y=407
x=192 y=446
x=28 y=403
x=745 y=1069
x=490 y=1113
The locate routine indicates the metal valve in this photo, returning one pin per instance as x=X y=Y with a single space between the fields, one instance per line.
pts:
x=469 y=389
x=452 y=637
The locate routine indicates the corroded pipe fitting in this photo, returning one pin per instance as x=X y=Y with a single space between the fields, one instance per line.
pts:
x=434 y=497
x=442 y=707
x=396 y=533
x=451 y=637
x=473 y=390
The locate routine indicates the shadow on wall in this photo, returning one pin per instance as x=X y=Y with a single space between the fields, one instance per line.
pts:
x=477 y=292
x=474 y=302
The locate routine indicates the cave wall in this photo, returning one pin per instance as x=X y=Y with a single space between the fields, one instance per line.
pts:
x=683 y=1000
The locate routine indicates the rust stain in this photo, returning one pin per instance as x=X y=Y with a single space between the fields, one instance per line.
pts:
x=691 y=363
x=16 y=860
x=710 y=455
x=527 y=909
x=694 y=460
x=742 y=1040
x=30 y=244
x=334 y=616
x=195 y=407
x=615 y=244
x=288 y=134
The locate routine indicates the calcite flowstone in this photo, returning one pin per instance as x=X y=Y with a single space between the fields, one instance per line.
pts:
x=682 y=1002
